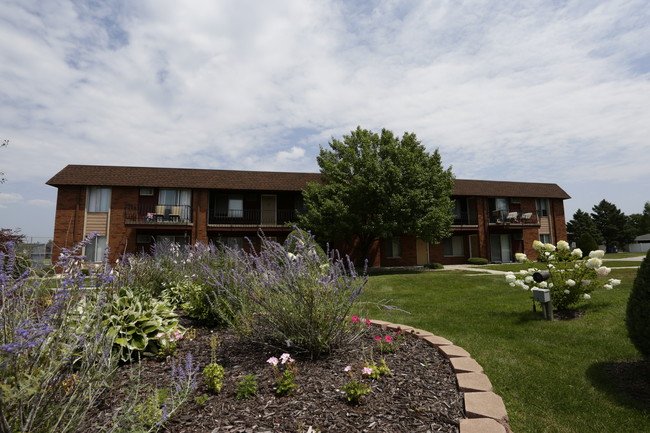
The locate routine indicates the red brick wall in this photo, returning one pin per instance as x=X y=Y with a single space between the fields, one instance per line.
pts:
x=121 y=238
x=69 y=219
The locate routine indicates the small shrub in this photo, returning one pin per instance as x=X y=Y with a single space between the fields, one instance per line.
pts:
x=477 y=261
x=638 y=310
x=284 y=382
x=140 y=324
x=434 y=266
x=586 y=243
x=213 y=374
x=247 y=387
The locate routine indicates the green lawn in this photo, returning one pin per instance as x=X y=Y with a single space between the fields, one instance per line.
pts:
x=550 y=374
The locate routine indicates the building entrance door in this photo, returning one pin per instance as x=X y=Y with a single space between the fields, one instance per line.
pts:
x=423 y=252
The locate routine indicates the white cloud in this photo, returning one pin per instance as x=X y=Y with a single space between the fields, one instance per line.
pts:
x=10 y=198
x=40 y=203
x=541 y=91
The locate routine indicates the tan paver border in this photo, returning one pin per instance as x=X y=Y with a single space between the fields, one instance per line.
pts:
x=484 y=410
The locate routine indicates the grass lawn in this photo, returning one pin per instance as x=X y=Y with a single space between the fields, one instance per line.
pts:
x=551 y=375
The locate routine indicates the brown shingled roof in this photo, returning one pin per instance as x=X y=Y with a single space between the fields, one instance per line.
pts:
x=181 y=178
x=97 y=175
x=495 y=188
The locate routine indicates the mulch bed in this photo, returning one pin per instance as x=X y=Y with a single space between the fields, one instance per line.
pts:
x=421 y=396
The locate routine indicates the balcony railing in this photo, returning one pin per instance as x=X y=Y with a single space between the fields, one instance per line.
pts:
x=252 y=217
x=465 y=219
x=158 y=214
x=500 y=216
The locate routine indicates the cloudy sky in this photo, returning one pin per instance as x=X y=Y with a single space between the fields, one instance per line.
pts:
x=542 y=91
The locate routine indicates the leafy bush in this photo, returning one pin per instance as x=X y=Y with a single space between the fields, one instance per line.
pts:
x=638 y=310
x=295 y=299
x=434 y=266
x=55 y=357
x=477 y=261
x=586 y=243
x=571 y=278
x=140 y=324
x=247 y=387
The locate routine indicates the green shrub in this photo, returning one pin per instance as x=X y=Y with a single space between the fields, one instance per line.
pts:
x=434 y=266
x=638 y=310
x=213 y=374
x=586 y=243
x=247 y=387
x=140 y=324
x=477 y=261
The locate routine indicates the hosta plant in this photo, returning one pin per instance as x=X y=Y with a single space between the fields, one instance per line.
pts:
x=140 y=324
x=571 y=277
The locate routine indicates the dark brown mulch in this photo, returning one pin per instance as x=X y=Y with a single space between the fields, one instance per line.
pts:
x=421 y=396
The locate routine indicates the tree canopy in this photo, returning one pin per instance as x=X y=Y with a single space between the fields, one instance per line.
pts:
x=612 y=224
x=379 y=186
x=582 y=224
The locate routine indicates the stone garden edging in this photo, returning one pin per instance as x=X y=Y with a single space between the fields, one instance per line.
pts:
x=485 y=411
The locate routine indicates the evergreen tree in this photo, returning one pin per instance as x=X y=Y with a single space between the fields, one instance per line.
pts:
x=638 y=310
x=581 y=224
x=613 y=225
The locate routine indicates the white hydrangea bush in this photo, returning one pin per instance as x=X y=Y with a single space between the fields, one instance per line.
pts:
x=572 y=277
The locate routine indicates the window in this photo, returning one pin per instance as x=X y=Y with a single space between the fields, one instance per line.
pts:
x=458 y=212
x=95 y=249
x=454 y=246
x=233 y=242
x=545 y=238
x=99 y=199
x=235 y=206
x=393 y=248
x=542 y=207
x=146 y=191
x=172 y=239
x=174 y=197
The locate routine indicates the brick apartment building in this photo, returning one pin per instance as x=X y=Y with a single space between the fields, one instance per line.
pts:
x=133 y=207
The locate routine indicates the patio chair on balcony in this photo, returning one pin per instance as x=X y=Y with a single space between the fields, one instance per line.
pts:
x=175 y=214
x=526 y=217
x=160 y=213
x=512 y=217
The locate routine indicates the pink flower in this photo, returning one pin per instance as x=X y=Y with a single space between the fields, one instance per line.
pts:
x=285 y=357
x=388 y=338
x=377 y=338
x=398 y=332
x=354 y=319
x=273 y=361
x=160 y=335
x=368 y=322
x=366 y=371
x=348 y=368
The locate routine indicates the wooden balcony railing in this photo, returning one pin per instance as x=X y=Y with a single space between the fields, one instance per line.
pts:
x=158 y=214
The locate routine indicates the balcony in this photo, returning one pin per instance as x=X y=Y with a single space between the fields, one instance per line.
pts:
x=465 y=219
x=158 y=214
x=252 y=218
x=519 y=218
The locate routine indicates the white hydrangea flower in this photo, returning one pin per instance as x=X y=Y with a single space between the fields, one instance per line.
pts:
x=570 y=283
x=542 y=285
x=549 y=247
x=608 y=286
x=529 y=279
x=524 y=272
x=567 y=291
x=597 y=254
x=537 y=245
x=586 y=296
x=614 y=282
x=594 y=263
x=563 y=246
x=577 y=252
x=603 y=271
x=510 y=277
x=521 y=257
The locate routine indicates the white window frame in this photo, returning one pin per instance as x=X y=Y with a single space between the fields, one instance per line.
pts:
x=95 y=250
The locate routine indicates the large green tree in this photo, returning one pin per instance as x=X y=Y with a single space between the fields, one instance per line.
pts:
x=612 y=224
x=379 y=186
x=582 y=224
x=641 y=221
